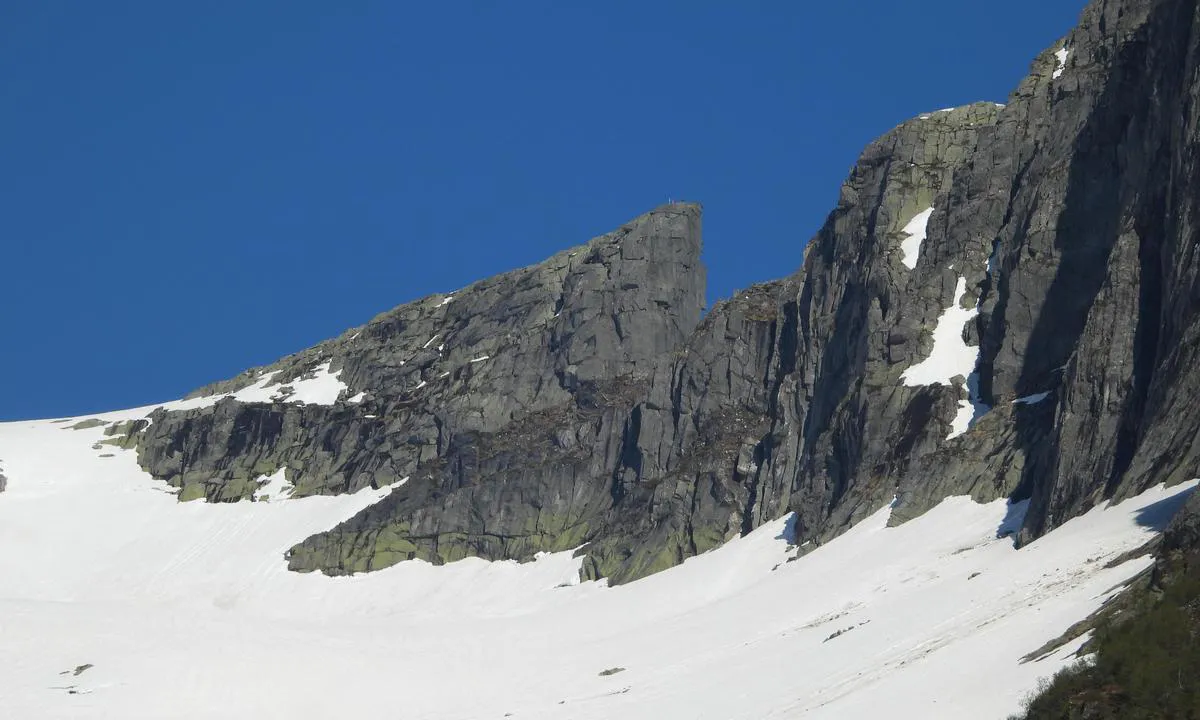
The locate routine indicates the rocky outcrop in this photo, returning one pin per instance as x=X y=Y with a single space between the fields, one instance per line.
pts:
x=1002 y=304
x=1096 y=299
x=714 y=439
x=1069 y=225
x=524 y=371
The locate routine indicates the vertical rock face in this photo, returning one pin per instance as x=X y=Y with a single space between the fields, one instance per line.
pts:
x=1087 y=187
x=1070 y=223
x=1002 y=303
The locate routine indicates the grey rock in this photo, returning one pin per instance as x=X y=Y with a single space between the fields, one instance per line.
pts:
x=1089 y=215
x=488 y=404
x=1079 y=192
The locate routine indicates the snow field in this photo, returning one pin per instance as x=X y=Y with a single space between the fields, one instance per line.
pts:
x=188 y=611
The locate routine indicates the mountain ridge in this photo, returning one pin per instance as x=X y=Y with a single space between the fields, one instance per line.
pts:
x=977 y=258
x=966 y=420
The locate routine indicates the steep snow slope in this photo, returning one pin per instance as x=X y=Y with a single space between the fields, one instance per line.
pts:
x=186 y=610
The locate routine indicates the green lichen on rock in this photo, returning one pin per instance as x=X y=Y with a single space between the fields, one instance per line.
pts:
x=234 y=490
x=346 y=551
x=123 y=434
x=193 y=491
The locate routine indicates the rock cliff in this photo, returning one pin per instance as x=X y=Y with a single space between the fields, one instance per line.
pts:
x=1003 y=303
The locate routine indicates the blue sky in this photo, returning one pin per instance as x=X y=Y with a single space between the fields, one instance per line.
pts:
x=192 y=189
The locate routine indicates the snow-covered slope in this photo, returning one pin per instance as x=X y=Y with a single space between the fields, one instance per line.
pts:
x=186 y=610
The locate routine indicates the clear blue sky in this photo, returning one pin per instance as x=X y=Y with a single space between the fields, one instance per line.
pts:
x=190 y=189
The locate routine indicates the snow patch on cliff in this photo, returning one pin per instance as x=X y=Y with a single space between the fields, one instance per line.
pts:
x=951 y=357
x=318 y=387
x=1061 y=57
x=914 y=234
x=274 y=487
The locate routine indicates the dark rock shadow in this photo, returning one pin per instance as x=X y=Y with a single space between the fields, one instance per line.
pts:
x=1014 y=518
x=1157 y=516
x=1109 y=183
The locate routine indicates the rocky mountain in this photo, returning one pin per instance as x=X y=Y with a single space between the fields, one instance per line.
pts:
x=1003 y=303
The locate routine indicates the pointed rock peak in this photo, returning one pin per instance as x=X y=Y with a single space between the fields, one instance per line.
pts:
x=673 y=227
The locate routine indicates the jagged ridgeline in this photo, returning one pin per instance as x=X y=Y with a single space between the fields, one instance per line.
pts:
x=1002 y=304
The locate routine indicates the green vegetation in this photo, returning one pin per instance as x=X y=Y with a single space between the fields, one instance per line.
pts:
x=1146 y=665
